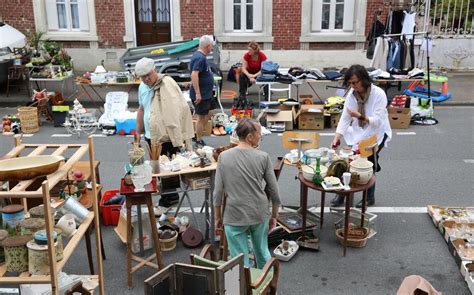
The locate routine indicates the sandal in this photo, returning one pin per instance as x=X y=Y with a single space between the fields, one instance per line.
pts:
x=222 y=130
x=216 y=131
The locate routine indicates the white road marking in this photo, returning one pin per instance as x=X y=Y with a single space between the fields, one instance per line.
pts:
x=98 y=135
x=468 y=161
x=280 y=134
x=28 y=135
x=61 y=135
x=327 y=210
x=129 y=135
x=327 y=134
x=406 y=133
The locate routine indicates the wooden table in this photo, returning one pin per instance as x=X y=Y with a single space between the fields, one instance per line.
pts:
x=208 y=195
x=139 y=198
x=348 y=195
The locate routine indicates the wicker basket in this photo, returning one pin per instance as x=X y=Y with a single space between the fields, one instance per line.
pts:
x=28 y=119
x=168 y=244
x=356 y=238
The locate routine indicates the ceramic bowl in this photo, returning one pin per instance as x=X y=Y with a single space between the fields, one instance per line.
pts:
x=22 y=168
x=308 y=172
x=363 y=169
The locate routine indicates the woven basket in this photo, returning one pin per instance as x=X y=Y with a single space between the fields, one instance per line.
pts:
x=28 y=119
x=168 y=244
x=356 y=238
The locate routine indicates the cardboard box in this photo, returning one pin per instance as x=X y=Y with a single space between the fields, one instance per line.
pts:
x=207 y=128
x=197 y=180
x=311 y=117
x=305 y=97
x=281 y=121
x=399 y=117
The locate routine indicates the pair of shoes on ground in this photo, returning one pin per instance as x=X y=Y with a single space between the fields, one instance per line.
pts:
x=218 y=131
x=338 y=201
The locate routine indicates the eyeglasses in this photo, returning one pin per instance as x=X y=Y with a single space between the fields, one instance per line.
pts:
x=353 y=82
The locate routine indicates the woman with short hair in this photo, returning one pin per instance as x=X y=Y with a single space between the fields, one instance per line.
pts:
x=364 y=114
x=245 y=175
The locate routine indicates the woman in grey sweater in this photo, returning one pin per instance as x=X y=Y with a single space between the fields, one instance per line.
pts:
x=245 y=174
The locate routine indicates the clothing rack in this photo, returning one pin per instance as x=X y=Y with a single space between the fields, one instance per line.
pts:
x=427 y=55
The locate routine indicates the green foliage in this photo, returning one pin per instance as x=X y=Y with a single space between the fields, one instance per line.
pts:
x=52 y=47
x=34 y=40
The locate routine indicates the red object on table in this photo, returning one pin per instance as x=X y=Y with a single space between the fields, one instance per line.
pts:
x=130 y=189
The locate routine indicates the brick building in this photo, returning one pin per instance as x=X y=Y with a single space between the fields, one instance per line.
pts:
x=297 y=32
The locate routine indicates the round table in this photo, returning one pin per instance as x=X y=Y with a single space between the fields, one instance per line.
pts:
x=348 y=196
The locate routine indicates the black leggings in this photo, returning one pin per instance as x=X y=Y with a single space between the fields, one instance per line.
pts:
x=371 y=191
x=244 y=84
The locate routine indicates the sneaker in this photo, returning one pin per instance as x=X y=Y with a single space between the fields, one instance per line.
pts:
x=159 y=210
x=199 y=144
x=337 y=201
x=369 y=203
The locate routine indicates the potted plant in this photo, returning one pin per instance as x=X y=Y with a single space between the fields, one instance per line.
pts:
x=34 y=40
x=52 y=48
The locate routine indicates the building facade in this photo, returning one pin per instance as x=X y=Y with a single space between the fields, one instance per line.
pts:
x=307 y=33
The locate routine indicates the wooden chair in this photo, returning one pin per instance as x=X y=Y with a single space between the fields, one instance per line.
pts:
x=43 y=109
x=257 y=281
x=17 y=76
x=194 y=279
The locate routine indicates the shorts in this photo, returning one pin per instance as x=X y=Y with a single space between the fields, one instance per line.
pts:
x=203 y=107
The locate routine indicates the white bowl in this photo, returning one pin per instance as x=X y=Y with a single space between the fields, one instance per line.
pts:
x=308 y=172
x=292 y=249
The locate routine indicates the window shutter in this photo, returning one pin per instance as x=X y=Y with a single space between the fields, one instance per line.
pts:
x=258 y=15
x=229 y=15
x=316 y=15
x=83 y=15
x=349 y=6
x=52 y=15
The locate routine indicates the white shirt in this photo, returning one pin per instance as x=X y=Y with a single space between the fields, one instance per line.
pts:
x=375 y=110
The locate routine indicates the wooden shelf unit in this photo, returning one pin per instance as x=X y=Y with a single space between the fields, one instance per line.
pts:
x=20 y=190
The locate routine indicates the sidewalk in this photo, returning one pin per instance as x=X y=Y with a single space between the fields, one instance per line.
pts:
x=459 y=85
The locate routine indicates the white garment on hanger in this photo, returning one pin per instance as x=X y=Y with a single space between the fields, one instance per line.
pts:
x=408 y=26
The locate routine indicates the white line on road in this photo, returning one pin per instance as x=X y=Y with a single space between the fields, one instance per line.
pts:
x=98 y=135
x=129 y=135
x=381 y=209
x=327 y=134
x=28 y=135
x=406 y=133
x=327 y=210
x=61 y=135
x=468 y=161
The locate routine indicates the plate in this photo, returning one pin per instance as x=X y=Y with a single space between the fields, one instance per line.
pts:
x=333 y=180
x=29 y=167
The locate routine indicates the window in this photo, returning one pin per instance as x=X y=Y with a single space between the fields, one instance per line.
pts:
x=67 y=15
x=243 y=15
x=243 y=21
x=332 y=21
x=332 y=15
x=64 y=20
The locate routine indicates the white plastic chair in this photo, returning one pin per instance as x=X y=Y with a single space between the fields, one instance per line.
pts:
x=272 y=88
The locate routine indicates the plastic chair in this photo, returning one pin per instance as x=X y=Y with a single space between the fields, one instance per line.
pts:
x=272 y=88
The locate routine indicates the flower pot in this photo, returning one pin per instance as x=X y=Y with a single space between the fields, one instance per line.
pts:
x=363 y=169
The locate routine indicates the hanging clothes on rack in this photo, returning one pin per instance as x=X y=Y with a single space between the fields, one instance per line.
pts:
x=380 y=54
x=408 y=26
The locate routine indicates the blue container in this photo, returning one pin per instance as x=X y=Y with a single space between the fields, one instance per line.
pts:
x=12 y=216
x=127 y=125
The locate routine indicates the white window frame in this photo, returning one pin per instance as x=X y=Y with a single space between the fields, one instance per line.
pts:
x=225 y=33
x=243 y=15
x=41 y=21
x=353 y=28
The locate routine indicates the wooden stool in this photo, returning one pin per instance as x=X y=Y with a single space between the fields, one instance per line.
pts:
x=139 y=198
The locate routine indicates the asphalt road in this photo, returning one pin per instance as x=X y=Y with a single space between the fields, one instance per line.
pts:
x=421 y=165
